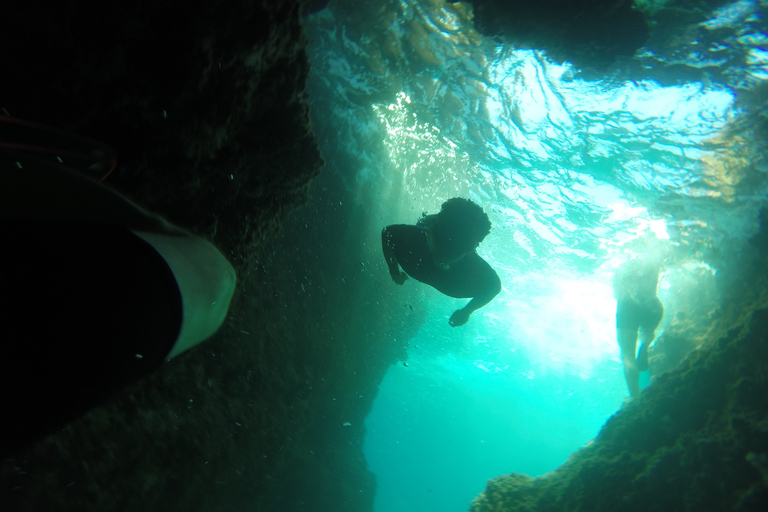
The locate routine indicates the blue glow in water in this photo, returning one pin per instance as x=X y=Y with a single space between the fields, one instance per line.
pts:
x=480 y=401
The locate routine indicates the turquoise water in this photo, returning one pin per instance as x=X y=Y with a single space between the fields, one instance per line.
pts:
x=446 y=423
x=577 y=174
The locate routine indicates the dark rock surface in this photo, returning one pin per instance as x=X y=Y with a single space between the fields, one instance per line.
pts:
x=588 y=33
x=202 y=101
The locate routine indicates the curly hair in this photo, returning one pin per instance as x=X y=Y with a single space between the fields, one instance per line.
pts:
x=460 y=225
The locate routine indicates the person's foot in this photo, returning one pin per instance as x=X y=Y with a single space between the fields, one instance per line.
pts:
x=642 y=358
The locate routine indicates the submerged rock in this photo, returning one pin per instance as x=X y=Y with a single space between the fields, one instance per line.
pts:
x=587 y=33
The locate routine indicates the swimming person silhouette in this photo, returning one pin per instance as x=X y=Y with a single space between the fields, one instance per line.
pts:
x=440 y=251
x=638 y=309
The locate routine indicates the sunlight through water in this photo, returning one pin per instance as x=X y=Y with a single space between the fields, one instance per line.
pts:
x=577 y=175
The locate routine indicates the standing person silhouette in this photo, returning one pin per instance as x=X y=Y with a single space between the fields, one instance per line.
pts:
x=440 y=251
x=638 y=310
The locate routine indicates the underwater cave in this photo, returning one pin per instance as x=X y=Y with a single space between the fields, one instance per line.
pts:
x=290 y=134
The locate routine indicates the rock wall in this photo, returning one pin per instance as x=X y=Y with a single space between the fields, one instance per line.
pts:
x=202 y=101
x=204 y=105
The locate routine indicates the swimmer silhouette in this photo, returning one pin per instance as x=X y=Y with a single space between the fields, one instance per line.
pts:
x=638 y=309
x=440 y=251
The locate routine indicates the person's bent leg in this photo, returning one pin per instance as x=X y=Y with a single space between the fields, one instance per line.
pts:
x=651 y=320
x=627 y=339
x=646 y=338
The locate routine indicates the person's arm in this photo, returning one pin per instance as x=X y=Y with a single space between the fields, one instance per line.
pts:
x=398 y=276
x=461 y=316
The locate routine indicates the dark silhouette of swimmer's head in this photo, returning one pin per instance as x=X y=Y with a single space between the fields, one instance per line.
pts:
x=459 y=227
